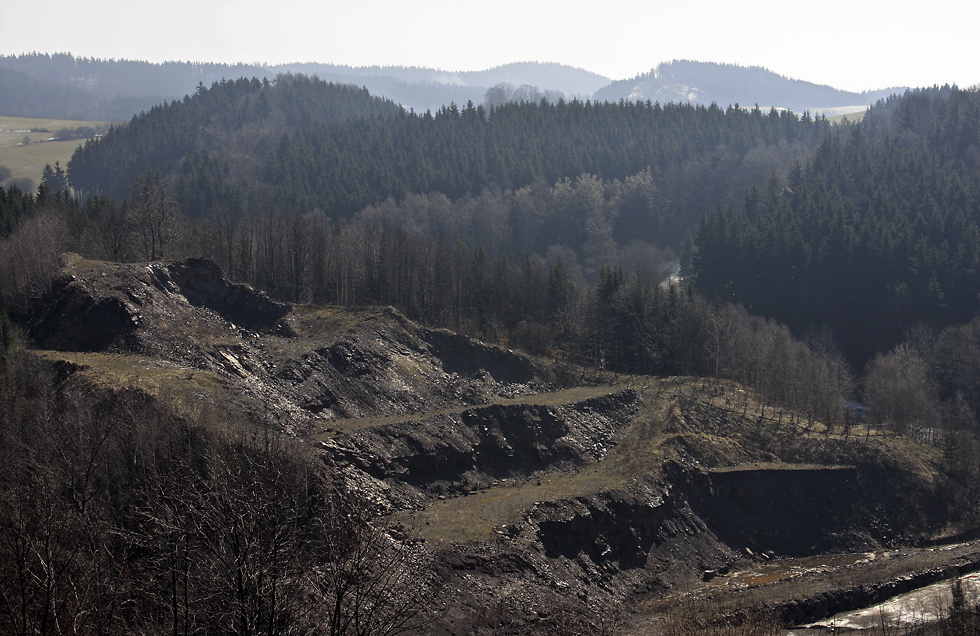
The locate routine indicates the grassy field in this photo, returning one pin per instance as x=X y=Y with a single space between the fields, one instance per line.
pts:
x=854 y=118
x=28 y=161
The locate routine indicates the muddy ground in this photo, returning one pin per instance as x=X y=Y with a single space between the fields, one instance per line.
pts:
x=822 y=593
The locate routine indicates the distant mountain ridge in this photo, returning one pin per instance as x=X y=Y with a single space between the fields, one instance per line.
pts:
x=22 y=95
x=120 y=81
x=60 y=85
x=544 y=75
x=729 y=84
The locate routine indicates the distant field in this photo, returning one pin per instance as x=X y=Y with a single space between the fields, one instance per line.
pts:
x=29 y=161
x=851 y=117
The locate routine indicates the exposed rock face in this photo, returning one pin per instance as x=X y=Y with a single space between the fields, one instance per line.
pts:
x=203 y=284
x=123 y=306
x=78 y=322
x=185 y=314
x=592 y=554
x=625 y=528
x=458 y=452
x=468 y=357
x=804 y=511
x=386 y=365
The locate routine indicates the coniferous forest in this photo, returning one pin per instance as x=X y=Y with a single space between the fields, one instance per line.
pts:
x=307 y=150
x=876 y=233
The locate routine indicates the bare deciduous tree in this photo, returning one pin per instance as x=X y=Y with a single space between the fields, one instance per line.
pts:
x=29 y=259
x=366 y=582
x=155 y=212
x=899 y=391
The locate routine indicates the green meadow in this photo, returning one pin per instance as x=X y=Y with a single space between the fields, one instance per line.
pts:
x=26 y=146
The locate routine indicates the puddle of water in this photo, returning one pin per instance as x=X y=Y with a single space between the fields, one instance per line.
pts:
x=917 y=607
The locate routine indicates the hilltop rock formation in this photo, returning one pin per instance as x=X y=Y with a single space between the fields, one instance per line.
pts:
x=128 y=307
x=303 y=365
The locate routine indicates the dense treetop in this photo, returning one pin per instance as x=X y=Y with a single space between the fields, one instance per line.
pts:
x=233 y=120
x=879 y=231
x=304 y=144
x=460 y=151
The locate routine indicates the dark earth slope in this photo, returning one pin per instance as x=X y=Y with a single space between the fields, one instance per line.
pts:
x=544 y=502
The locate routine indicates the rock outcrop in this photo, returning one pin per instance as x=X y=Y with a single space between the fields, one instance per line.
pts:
x=459 y=452
x=145 y=307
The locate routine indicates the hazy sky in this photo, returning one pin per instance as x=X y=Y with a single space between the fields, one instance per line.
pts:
x=857 y=45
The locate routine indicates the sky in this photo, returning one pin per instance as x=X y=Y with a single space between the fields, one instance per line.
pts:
x=860 y=45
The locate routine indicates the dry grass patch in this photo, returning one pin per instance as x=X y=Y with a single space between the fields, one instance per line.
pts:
x=636 y=451
x=312 y=327
x=325 y=321
x=191 y=392
x=113 y=371
x=479 y=516
x=562 y=397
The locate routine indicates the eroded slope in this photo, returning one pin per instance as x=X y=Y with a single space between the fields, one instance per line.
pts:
x=533 y=497
x=307 y=369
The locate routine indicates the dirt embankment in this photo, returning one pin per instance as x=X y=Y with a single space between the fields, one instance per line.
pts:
x=411 y=417
x=454 y=454
x=303 y=367
x=812 y=608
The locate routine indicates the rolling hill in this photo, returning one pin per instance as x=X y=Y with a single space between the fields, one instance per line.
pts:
x=69 y=87
x=728 y=84
x=64 y=86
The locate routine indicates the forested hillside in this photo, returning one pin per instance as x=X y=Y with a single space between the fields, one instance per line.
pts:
x=689 y=156
x=112 y=78
x=115 y=90
x=552 y=226
x=463 y=151
x=878 y=232
x=25 y=96
x=678 y=307
x=217 y=137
